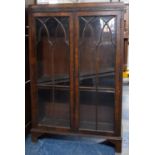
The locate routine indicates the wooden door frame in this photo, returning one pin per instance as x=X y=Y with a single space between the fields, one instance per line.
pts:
x=118 y=70
x=33 y=67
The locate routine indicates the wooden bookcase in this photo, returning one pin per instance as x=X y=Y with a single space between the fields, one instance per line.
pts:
x=76 y=53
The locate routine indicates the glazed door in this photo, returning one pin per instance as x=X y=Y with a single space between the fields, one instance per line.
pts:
x=97 y=71
x=52 y=56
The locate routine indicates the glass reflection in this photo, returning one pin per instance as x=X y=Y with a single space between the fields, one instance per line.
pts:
x=97 y=51
x=52 y=50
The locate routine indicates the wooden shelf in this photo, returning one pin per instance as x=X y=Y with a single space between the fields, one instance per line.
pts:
x=100 y=89
x=102 y=126
x=47 y=121
x=89 y=89
x=61 y=87
x=64 y=79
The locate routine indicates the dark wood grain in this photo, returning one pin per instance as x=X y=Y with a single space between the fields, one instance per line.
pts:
x=74 y=7
x=126 y=36
x=27 y=79
x=71 y=29
x=77 y=112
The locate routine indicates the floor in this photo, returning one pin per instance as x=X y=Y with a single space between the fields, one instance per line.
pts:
x=125 y=123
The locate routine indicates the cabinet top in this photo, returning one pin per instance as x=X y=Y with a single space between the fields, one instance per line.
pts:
x=77 y=7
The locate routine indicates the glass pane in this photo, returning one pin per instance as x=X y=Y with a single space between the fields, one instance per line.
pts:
x=96 y=110
x=53 y=107
x=52 y=50
x=97 y=45
x=97 y=51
